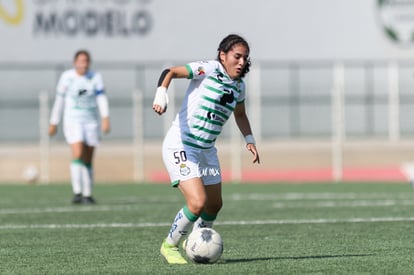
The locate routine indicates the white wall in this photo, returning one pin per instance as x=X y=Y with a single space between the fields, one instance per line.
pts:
x=191 y=30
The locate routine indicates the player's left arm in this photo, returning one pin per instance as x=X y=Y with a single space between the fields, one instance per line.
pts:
x=102 y=102
x=103 y=105
x=243 y=123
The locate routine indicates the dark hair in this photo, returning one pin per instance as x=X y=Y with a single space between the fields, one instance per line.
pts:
x=227 y=44
x=80 y=52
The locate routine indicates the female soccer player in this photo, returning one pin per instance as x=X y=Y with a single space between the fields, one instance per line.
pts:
x=216 y=91
x=80 y=92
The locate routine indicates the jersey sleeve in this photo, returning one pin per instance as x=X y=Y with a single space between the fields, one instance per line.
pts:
x=99 y=85
x=58 y=105
x=62 y=84
x=200 y=69
x=57 y=109
x=103 y=105
x=242 y=95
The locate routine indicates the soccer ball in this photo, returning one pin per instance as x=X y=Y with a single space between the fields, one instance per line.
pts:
x=30 y=174
x=204 y=246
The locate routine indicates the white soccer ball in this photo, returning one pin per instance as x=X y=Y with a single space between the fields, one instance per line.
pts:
x=204 y=246
x=30 y=174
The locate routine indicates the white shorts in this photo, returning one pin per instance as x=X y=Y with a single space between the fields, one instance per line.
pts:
x=88 y=133
x=185 y=162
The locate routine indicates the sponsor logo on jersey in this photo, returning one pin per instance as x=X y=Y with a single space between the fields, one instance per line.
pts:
x=213 y=116
x=227 y=97
x=218 y=108
x=82 y=92
x=220 y=76
x=201 y=71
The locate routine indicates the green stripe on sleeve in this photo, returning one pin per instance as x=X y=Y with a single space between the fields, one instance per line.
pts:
x=190 y=71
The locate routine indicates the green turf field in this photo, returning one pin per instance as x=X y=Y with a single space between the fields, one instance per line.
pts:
x=267 y=229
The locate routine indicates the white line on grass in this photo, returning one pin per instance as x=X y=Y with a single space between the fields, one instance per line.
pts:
x=258 y=222
x=94 y=208
x=343 y=204
x=293 y=196
x=281 y=205
x=290 y=196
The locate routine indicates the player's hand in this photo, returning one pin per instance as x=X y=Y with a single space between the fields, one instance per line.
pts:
x=252 y=148
x=106 y=125
x=52 y=129
x=160 y=101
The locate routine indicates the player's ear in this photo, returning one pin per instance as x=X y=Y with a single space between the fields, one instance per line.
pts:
x=222 y=56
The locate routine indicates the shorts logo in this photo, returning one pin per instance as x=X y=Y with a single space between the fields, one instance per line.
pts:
x=17 y=17
x=184 y=170
x=210 y=172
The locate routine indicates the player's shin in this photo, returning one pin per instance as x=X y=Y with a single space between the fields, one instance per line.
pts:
x=87 y=180
x=179 y=228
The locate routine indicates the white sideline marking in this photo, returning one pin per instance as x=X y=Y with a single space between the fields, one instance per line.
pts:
x=320 y=203
x=321 y=221
x=78 y=226
x=283 y=204
x=292 y=196
x=258 y=222
x=342 y=204
x=101 y=208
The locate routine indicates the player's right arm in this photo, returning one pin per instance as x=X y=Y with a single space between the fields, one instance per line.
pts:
x=161 y=98
x=58 y=106
x=55 y=115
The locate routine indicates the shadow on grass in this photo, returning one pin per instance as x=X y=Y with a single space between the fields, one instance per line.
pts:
x=229 y=261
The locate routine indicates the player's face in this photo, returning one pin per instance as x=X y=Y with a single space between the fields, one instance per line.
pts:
x=82 y=64
x=235 y=60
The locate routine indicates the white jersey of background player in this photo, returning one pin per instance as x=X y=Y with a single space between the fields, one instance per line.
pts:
x=80 y=94
x=81 y=98
x=216 y=91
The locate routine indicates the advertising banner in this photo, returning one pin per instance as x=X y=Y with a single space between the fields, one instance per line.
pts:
x=148 y=30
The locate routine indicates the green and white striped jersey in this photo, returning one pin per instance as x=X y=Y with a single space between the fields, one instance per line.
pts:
x=209 y=102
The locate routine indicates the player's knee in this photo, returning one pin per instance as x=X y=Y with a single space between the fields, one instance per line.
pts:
x=196 y=206
x=214 y=207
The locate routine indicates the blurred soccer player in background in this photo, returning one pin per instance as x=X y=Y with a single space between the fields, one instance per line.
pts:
x=80 y=93
x=216 y=90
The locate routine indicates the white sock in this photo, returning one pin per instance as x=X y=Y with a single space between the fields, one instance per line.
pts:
x=90 y=171
x=87 y=180
x=179 y=228
x=76 y=175
x=200 y=223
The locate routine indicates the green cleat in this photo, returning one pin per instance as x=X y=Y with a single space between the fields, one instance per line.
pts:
x=171 y=254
